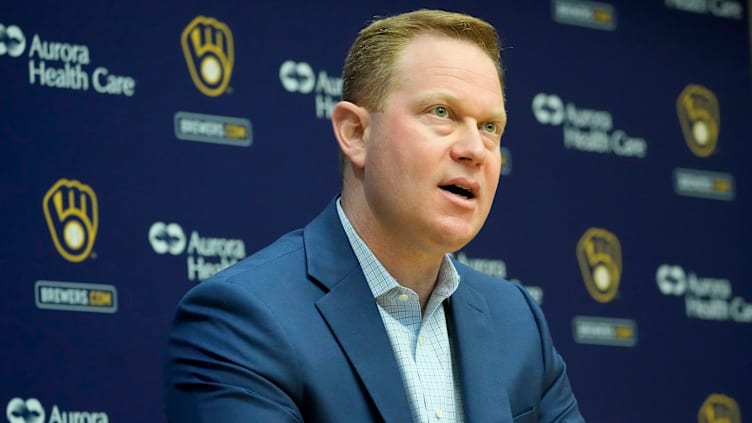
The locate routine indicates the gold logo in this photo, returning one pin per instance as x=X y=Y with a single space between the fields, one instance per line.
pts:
x=719 y=408
x=70 y=208
x=700 y=119
x=209 y=54
x=603 y=15
x=599 y=256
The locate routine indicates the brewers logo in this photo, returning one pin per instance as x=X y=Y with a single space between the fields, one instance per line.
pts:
x=599 y=256
x=70 y=208
x=719 y=408
x=700 y=119
x=209 y=54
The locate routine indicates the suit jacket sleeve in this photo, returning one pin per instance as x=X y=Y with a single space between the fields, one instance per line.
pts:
x=558 y=403
x=227 y=360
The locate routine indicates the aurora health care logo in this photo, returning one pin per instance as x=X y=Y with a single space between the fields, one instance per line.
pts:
x=205 y=255
x=62 y=64
x=12 y=41
x=705 y=298
x=587 y=130
x=31 y=410
x=301 y=78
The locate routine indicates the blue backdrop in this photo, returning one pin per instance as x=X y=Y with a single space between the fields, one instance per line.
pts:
x=145 y=145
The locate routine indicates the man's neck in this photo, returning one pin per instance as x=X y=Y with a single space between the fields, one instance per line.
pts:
x=409 y=266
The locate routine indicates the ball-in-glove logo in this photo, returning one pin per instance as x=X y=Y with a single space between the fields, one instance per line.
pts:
x=599 y=256
x=719 y=408
x=209 y=54
x=700 y=119
x=71 y=210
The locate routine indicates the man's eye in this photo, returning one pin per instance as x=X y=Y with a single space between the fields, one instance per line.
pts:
x=490 y=127
x=441 y=111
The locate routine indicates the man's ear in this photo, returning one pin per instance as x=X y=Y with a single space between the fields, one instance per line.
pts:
x=350 y=123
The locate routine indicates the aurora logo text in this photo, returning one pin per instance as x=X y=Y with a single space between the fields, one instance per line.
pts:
x=587 y=130
x=60 y=64
x=705 y=298
x=205 y=255
x=32 y=411
x=299 y=77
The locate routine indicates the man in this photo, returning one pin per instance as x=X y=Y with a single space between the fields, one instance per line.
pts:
x=362 y=316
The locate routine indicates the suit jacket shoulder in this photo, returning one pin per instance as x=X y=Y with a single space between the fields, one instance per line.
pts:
x=291 y=333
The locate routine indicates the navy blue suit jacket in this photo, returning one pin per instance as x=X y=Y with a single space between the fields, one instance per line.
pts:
x=293 y=334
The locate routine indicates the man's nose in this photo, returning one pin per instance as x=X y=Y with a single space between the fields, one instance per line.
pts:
x=469 y=147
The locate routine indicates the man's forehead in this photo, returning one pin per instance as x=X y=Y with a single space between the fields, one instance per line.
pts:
x=434 y=68
x=426 y=50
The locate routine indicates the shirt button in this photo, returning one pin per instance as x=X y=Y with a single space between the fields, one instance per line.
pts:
x=420 y=341
x=403 y=297
x=438 y=412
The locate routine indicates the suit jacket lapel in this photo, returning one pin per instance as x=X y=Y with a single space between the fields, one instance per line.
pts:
x=352 y=314
x=476 y=346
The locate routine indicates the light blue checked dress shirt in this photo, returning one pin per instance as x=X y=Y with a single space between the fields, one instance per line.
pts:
x=421 y=346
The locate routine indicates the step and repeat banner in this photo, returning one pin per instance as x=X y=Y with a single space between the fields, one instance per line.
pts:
x=146 y=146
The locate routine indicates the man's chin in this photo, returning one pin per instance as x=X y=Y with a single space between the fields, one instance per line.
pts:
x=454 y=240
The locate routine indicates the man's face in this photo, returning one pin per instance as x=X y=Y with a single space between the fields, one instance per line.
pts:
x=433 y=153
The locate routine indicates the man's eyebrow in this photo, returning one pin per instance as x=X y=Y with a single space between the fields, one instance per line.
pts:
x=438 y=95
x=499 y=115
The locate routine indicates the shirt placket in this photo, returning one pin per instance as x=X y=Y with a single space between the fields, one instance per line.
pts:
x=432 y=365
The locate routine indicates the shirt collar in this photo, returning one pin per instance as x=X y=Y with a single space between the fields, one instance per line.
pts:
x=379 y=279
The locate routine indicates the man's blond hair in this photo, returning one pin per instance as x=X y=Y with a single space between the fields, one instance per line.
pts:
x=371 y=61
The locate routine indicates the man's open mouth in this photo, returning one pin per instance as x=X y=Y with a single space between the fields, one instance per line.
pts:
x=458 y=190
